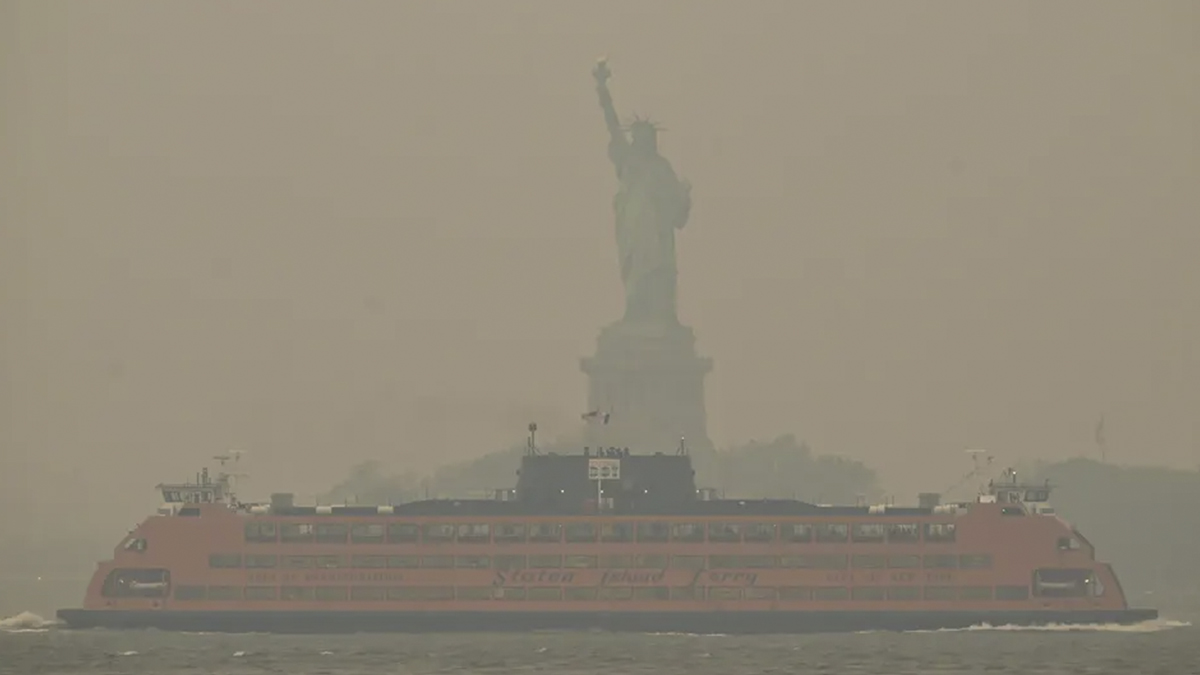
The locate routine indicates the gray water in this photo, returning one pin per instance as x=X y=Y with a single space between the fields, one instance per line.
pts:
x=1163 y=647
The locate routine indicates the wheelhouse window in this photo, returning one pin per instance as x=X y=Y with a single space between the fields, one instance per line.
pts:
x=332 y=533
x=901 y=533
x=688 y=532
x=616 y=532
x=403 y=533
x=758 y=532
x=796 y=533
x=869 y=533
x=510 y=533
x=653 y=532
x=832 y=533
x=474 y=533
x=261 y=533
x=1064 y=583
x=724 y=532
x=438 y=533
x=366 y=533
x=296 y=533
x=581 y=532
x=545 y=532
x=939 y=532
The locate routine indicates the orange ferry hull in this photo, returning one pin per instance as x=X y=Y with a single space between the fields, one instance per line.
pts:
x=741 y=622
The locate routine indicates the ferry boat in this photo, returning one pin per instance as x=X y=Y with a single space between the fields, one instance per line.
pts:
x=603 y=539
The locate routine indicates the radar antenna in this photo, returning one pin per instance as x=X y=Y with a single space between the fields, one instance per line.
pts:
x=979 y=468
x=531 y=444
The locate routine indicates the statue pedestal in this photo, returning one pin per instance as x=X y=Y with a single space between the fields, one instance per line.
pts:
x=652 y=381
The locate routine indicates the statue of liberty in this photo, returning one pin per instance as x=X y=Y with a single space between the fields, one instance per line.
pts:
x=650 y=204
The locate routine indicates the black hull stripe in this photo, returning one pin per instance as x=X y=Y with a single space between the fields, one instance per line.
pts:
x=318 y=622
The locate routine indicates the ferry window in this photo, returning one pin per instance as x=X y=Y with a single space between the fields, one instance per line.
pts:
x=329 y=562
x=545 y=561
x=724 y=532
x=868 y=593
x=832 y=532
x=903 y=532
x=510 y=593
x=297 y=562
x=760 y=593
x=404 y=561
x=437 y=561
x=260 y=532
x=651 y=561
x=795 y=593
x=260 y=593
x=904 y=593
x=940 y=593
x=816 y=561
x=939 y=532
x=616 y=532
x=368 y=593
x=688 y=562
x=975 y=593
x=472 y=562
x=652 y=593
x=366 y=533
x=1012 y=592
x=403 y=533
x=974 y=561
x=421 y=593
x=619 y=561
x=724 y=593
x=225 y=560
x=224 y=593
x=545 y=532
x=331 y=593
x=723 y=562
x=942 y=561
x=296 y=593
x=580 y=561
x=687 y=592
x=687 y=532
x=869 y=562
x=262 y=561
x=332 y=533
x=1068 y=544
x=509 y=562
x=438 y=533
x=474 y=593
x=796 y=533
x=757 y=561
x=189 y=592
x=544 y=593
x=579 y=593
x=474 y=533
x=1063 y=583
x=653 y=532
x=903 y=561
x=868 y=533
x=759 y=532
x=1037 y=495
x=614 y=593
x=510 y=533
x=369 y=561
x=581 y=532
x=296 y=532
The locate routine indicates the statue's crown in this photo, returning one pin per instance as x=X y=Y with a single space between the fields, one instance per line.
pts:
x=640 y=122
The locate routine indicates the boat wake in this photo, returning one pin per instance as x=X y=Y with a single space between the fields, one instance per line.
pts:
x=1152 y=626
x=26 y=622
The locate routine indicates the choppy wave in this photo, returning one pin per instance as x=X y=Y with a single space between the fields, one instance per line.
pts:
x=26 y=622
x=1152 y=626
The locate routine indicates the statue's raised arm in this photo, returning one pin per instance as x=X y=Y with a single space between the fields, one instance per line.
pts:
x=615 y=132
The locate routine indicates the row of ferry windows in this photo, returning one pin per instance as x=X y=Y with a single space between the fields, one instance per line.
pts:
x=482 y=533
x=551 y=561
x=426 y=593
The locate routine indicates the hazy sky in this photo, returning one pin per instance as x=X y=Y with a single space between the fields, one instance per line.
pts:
x=324 y=232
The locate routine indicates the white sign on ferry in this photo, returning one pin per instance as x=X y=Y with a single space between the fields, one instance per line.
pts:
x=604 y=469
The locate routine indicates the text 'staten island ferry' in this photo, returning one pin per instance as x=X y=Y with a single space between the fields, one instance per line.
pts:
x=607 y=540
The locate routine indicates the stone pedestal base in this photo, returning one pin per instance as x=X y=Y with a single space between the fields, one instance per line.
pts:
x=652 y=382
